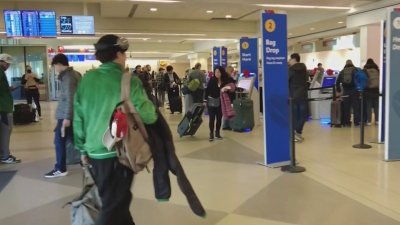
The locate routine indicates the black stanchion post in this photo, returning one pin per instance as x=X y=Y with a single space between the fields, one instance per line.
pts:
x=292 y=168
x=362 y=145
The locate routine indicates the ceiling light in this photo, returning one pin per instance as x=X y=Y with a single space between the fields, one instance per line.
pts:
x=209 y=39
x=304 y=6
x=154 y=34
x=209 y=11
x=159 y=41
x=157 y=1
x=153 y=9
x=340 y=22
x=290 y=34
x=228 y=16
x=312 y=28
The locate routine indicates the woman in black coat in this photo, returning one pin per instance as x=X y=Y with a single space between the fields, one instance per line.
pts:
x=172 y=81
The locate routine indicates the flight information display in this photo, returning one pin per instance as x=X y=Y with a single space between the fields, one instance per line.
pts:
x=30 y=23
x=13 y=24
x=80 y=25
x=47 y=24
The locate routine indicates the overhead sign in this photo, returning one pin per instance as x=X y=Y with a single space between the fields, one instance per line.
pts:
x=276 y=90
x=216 y=57
x=392 y=92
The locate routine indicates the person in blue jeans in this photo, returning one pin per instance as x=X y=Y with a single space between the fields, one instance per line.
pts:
x=298 y=91
x=69 y=79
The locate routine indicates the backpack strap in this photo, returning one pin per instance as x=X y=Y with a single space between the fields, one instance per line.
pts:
x=127 y=101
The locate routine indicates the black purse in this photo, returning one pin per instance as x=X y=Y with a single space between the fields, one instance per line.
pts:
x=214 y=102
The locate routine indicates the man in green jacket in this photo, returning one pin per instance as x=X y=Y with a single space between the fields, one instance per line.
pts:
x=97 y=95
x=6 y=110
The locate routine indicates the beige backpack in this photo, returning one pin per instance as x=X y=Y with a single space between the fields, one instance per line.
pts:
x=127 y=134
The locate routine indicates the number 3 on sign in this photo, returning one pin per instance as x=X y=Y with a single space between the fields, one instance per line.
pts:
x=270 y=25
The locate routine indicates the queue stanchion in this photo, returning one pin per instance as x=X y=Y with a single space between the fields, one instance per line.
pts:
x=292 y=168
x=362 y=144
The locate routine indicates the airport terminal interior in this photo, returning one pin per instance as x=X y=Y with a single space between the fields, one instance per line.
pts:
x=233 y=177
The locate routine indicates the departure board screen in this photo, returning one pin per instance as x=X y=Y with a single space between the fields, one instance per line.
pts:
x=80 y=25
x=13 y=23
x=47 y=24
x=30 y=23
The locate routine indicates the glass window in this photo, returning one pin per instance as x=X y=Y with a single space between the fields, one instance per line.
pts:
x=16 y=70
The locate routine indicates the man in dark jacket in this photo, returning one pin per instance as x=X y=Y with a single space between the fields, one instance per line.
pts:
x=298 y=91
x=351 y=98
x=69 y=79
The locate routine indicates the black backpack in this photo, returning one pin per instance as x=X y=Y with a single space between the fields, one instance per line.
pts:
x=348 y=75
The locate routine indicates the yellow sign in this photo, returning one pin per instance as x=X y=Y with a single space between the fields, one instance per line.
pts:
x=223 y=52
x=270 y=25
x=215 y=52
x=245 y=45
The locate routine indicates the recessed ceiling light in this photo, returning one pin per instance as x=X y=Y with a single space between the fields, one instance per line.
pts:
x=153 y=9
x=228 y=16
x=157 y=1
x=290 y=34
x=312 y=28
x=159 y=41
x=209 y=11
x=340 y=22
x=304 y=6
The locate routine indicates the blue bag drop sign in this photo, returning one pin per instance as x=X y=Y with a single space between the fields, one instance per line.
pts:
x=392 y=92
x=276 y=90
x=224 y=57
x=216 y=57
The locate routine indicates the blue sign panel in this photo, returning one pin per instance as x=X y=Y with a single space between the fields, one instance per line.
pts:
x=224 y=57
x=392 y=92
x=249 y=57
x=216 y=57
x=276 y=90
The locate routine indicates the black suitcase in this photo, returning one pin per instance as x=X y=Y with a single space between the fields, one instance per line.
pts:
x=23 y=114
x=336 y=113
x=192 y=121
x=175 y=104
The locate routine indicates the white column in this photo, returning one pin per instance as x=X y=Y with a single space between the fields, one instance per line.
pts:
x=370 y=43
x=201 y=57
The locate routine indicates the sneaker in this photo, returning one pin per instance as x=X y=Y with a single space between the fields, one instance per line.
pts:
x=298 y=137
x=218 y=137
x=211 y=138
x=369 y=124
x=10 y=160
x=55 y=173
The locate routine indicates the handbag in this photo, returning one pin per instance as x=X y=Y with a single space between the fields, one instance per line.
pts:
x=214 y=102
x=86 y=207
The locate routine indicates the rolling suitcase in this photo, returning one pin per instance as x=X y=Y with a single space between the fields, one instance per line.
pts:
x=244 y=118
x=23 y=114
x=175 y=104
x=336 y=113
x=192 y=121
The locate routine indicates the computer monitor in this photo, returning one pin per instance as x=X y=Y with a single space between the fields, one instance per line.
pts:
x=329 y=81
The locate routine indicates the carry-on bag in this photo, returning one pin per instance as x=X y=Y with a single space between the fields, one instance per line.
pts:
x=23 y=114
x=336 y=113
x=175 y=104
x=192 y=121
x=86 y=207
x=244 y=118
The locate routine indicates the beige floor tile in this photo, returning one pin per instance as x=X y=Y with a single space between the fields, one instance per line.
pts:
x=233 y=219
x=23 y=194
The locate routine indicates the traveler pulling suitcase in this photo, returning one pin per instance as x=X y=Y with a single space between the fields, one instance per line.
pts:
x=244 y=118
x=192 y=121
x=23 y=114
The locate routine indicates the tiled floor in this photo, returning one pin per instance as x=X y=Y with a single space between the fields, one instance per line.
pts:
x=342 y=185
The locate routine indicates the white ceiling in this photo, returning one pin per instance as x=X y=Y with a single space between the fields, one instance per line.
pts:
x=186 y=23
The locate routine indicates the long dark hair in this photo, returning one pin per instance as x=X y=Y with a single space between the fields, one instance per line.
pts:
x=224 y=75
